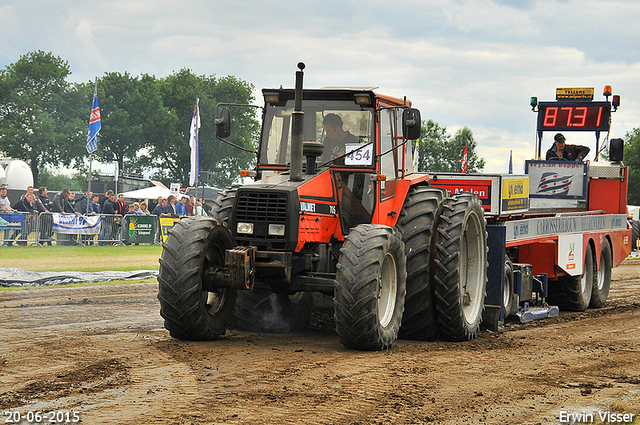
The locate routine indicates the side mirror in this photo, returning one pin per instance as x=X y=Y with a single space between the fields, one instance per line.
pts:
x=223 y=122
x=411 y=124
x=616 y=150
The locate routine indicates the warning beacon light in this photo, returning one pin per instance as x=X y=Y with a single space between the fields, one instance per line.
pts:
x=616 y=102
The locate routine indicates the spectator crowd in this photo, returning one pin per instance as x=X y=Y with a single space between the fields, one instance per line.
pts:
x=38 y=209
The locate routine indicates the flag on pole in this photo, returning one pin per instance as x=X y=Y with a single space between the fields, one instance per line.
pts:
x=464 y=159
x=94 y=125
x=193 y=143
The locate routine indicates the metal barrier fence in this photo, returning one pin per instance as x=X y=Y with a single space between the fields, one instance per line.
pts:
x=32 y=229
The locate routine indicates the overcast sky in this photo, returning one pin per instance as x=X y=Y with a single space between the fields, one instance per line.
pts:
x=462 y=63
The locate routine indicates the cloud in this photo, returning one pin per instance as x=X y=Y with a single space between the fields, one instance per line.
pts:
x=471 y=63
x=488 y=18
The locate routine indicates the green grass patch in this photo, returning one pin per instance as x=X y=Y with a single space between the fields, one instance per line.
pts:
x=81 y=258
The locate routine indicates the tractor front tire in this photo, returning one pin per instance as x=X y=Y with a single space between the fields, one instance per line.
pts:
x=370 y=287
x=461 y=267
x=190 y=312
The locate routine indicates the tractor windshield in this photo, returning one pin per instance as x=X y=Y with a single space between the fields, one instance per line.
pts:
x=342 y=127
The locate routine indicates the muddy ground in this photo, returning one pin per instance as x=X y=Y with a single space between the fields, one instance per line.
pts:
x=101 y=352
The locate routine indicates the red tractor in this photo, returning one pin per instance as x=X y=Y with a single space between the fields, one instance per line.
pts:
x=335 y=209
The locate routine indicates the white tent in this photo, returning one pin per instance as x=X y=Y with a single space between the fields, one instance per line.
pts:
x=148 y=193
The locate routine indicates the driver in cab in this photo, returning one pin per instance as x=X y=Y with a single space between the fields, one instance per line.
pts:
x=336 y=138
x=563 y=152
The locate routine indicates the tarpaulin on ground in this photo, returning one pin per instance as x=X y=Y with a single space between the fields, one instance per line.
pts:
x=17 y=277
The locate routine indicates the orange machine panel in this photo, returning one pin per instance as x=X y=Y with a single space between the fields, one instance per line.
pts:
x=609 y=195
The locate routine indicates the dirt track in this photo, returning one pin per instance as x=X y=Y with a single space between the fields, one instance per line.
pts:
x=102 y=352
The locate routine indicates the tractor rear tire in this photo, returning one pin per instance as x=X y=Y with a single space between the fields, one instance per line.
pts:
x=573 y=293
x=190 y=312
x=370 y=287
x=602 y=281
x=223 y=204
x=461 y=267
x=261 y=310
x=418 y=223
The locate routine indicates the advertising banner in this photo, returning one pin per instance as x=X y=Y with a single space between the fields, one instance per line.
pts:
x=76 y=225
x=550 y=226
x=515 y=194
x=11 y=221
x=570 y=254
x=480 y=186
x=557 y=179
x=166 y=224
x=140 y=229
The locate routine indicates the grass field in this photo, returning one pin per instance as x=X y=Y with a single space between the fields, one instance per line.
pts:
x=81 y=258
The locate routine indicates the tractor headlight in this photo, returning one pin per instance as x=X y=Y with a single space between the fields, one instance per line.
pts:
x=245 y=228
x=276 y=229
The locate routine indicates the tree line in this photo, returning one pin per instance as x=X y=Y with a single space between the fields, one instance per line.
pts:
x=632 y=159
x=441 y=152
x=145 y=120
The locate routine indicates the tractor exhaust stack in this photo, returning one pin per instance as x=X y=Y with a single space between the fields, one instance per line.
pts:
x=297 y=131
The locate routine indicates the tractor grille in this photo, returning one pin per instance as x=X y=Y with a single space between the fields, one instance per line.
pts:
x=262 y=208
x=267 y=207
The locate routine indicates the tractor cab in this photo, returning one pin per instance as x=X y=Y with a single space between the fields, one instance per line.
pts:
x=345 y=121
x=355 y=148
x=336 y=119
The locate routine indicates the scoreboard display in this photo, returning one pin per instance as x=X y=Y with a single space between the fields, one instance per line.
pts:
x=574 y=116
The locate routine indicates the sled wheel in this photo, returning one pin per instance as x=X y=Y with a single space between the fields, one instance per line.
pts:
x=508 y=288
x=190 y=312
x=635 y=234
x=418 y=223
x=602 y=282
x=370 y=287
x=461 y=267
x=574 y=292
